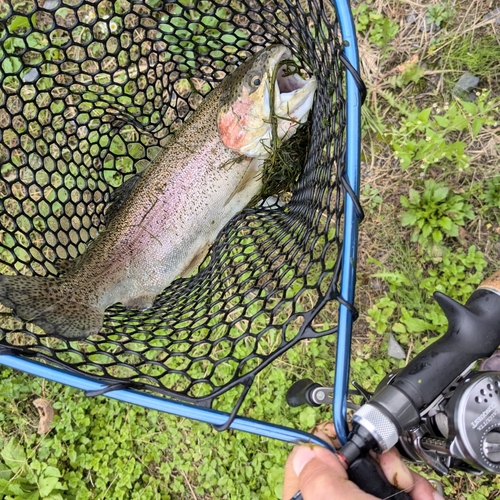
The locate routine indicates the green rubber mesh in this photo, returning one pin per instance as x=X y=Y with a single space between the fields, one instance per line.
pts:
x=89 y=93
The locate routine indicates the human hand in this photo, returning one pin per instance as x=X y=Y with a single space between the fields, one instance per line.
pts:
x=319 y=474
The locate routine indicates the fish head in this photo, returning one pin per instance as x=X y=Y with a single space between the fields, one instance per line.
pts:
x=260 y=93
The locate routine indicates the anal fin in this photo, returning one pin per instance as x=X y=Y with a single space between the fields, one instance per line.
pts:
x=195 y=261
x=143 y=302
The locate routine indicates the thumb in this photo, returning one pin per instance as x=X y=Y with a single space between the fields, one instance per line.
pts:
x=323 y=477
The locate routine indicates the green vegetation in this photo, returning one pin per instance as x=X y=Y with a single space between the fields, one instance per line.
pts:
x=481 y=59
x=435 y=213
x=99 y=448
x=379 y=28
x=431 y=192
x=439 y=13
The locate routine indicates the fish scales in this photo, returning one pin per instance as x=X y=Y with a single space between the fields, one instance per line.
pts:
x=153 y=236
x=206 y=174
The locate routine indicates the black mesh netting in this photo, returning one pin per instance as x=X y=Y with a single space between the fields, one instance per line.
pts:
x=89 y=92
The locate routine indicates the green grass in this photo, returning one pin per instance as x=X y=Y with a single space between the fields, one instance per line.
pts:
x=431 y=194
x=100 y=448
x=479 y=55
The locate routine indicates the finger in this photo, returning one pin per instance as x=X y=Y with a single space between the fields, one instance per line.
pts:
x=422 y=489
x=395 y=470
x=323 y=477
x=326 y=431
x=291 y=483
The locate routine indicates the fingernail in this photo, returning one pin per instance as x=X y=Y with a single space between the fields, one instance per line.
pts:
x=437 y=496
x=302 y=457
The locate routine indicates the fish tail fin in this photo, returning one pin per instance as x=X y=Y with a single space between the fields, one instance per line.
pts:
x=47 y=303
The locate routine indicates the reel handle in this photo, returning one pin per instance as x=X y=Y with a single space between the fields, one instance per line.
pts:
x=300 y=393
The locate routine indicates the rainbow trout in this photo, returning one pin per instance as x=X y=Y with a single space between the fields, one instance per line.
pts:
x=173 y=211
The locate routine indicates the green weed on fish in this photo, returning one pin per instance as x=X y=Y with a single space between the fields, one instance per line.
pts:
x=286 y=159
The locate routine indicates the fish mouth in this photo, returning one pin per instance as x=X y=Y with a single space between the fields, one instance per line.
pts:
x=292 y=94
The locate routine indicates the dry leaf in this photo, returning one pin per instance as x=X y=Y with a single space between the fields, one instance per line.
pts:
x=46 y=412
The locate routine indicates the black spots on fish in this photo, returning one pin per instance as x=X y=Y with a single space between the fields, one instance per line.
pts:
x=119 y=196
x=50 y=304
x=247 y=78
x=73 y=321
x=18 y=291
x=67 y=265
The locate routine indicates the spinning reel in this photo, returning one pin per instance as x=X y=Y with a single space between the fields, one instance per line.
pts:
x=438 y=409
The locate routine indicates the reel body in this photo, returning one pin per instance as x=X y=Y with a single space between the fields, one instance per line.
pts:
x=461 y=430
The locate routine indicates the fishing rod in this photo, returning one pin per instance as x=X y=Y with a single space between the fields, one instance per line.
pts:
x=440 y=409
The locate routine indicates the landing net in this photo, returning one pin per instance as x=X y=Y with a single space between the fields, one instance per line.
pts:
x=89 y=93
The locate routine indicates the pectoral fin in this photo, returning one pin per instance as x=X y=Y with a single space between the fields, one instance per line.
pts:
x=249 y=177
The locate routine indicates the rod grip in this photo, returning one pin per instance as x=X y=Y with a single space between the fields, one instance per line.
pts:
x=367 y=474
x=473 y=333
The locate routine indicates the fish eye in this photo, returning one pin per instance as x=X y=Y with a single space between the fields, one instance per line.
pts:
x=256 y=81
